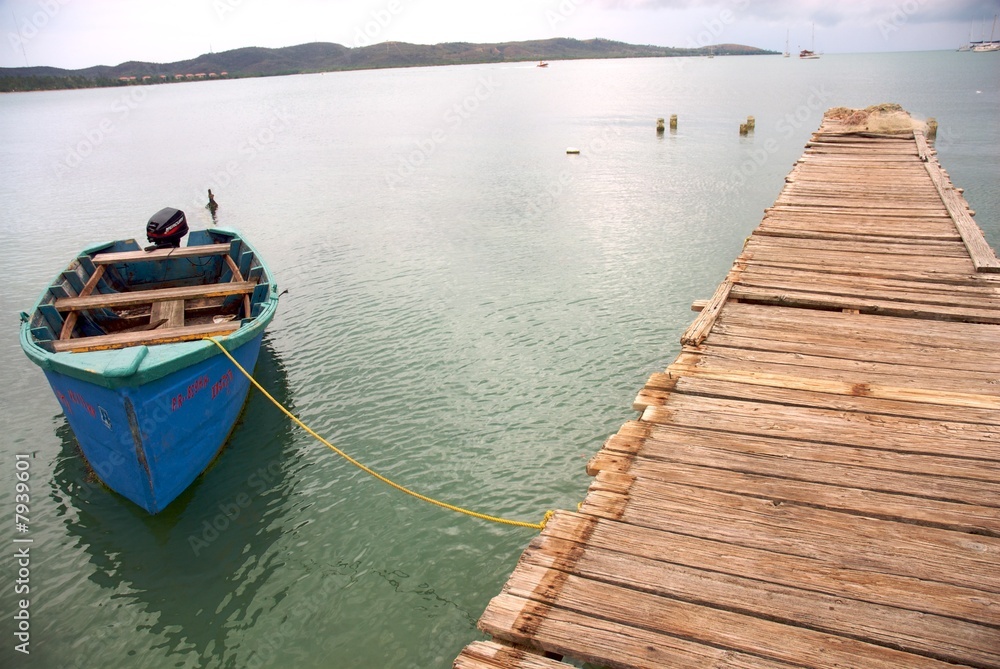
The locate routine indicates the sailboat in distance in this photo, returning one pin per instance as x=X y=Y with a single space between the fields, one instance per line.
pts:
x=992 y=45
x=786 y=54
x=809 y=54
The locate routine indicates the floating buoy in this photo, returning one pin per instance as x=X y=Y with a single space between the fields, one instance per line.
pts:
x=572 y=150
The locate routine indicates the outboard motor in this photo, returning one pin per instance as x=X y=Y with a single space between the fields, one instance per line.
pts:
x=166 y=228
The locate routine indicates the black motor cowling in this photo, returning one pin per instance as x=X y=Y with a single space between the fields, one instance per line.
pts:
x=166 y=228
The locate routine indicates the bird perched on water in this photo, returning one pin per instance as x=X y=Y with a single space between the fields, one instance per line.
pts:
x=212 y=205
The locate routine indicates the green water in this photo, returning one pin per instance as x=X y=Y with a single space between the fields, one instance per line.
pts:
x=470 y=311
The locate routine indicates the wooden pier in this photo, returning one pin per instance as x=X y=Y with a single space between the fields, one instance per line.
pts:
x=815 y=480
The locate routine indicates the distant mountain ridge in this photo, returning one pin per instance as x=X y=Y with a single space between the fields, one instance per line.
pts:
x=329 y=57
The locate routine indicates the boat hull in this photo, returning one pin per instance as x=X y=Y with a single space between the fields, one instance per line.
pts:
x=150 y=442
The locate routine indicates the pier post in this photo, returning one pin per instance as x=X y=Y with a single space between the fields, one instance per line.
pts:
x=932 y=126
x=659 y=126
x=673 y=121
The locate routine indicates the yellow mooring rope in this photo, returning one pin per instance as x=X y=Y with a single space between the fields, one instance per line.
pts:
x=474 y=514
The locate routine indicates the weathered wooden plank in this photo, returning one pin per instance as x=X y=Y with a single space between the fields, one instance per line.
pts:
x=923 y=249
x=864 y=305
x=161 y=254
x=909 y=370
x=88 y=288
x=862 y=495
x=138 y=297
x=868 y=161
x=606 y=642
x=846 y=221
x=750 y=406
x=983 y=256
x=901 y=216
x=778 y=228
x=491 y=655
x=938 y=338
x=811 y=372
x=702 y=325
x=939 y=599
x=902 y=355
x=916 y=632
x=171 y=313
x=871 y=406
x=856 y=542
x=970 y=300
x=903 y=187
x=148 y=338
x=819 y=258
x=646 y=449
x=973 y=294
x=901 y=190
x=237 y=277
x=910 y=205
x=761 y=375
x=924 y=151
x=968 y=440
x=930 y=275
x=706 y=625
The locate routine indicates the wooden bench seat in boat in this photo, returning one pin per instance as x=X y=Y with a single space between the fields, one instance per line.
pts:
x=160 y=254
x=139 y=297
x=166 y=335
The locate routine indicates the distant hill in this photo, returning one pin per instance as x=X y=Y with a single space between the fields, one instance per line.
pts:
x=328 y=57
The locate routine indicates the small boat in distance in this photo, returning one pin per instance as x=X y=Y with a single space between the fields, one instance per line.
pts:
x=810 y=54
x=787 y=53
x=984 y=46
x=542 y=63
x=120 y=334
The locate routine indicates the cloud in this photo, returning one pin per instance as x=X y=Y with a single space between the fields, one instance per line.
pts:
x=823 y=12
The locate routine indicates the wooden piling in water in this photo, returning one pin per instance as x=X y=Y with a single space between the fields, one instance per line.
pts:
x=815 y=480
x=673 y=121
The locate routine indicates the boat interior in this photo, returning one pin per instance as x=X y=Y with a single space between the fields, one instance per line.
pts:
x=120 y=295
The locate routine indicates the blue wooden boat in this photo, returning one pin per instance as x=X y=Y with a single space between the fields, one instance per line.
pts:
x=121 y=337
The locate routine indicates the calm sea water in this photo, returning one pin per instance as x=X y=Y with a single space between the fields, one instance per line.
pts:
x=470 y=311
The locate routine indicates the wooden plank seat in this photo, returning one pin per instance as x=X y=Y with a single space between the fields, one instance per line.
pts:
x=160 y=254
x=140 y=297
x=169 y=313
x=147 y=338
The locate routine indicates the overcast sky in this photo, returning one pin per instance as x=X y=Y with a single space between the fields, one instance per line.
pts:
x=80 y=33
